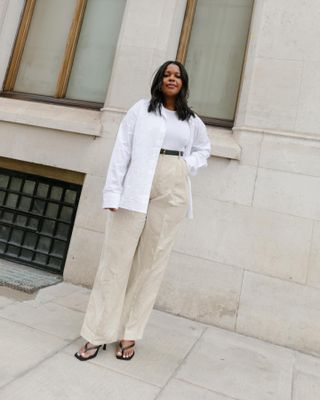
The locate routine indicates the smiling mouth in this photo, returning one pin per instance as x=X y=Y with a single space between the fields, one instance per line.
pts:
x=171 y=86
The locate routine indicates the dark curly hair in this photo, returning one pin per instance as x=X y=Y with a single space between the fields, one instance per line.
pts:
x=157 y=99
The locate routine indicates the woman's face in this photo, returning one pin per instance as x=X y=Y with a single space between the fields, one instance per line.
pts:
x=171 y=82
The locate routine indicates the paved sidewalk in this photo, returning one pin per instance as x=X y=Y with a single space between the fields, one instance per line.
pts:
x=178 y=360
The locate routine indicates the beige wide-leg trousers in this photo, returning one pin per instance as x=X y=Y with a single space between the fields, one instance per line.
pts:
x=135 y=253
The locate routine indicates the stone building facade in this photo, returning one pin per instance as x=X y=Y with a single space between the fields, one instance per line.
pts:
x=250 y=259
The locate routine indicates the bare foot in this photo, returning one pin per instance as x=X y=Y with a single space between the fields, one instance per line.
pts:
x=123 y=349
x=87 y=350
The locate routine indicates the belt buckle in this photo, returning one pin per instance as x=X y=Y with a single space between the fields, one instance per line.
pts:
x=163 y=151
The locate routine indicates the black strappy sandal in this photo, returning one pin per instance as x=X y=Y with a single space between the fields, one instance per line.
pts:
x=86 y=348
x=122 y=349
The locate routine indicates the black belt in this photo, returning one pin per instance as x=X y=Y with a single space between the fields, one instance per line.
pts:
x=171 y=152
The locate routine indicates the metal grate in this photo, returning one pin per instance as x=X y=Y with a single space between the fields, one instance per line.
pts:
x=36 y=219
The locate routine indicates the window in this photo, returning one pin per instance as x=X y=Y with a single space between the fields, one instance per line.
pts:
x=212 y=47
x=36 y=219
x=64 y=51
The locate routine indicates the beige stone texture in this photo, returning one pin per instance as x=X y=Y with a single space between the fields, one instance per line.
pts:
x=274 y=96
x=149 y=36
x=249 y=238
x=66 y=150
x=225 y=180
x=282 y=312
x=83 y=256
x=90 y=214
x=179 y=390
x=291 y=155
x=308 y=118
x=241 y=369
x=306 y=387
x=314 y=261
x=46 y=317
x=201 y=290
x=288 y=193
x=57 y=377
x=23 y=347
x=250 y=143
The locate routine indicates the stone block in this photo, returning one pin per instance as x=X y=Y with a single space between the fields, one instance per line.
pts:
x=90 y=214
x=75 y=301
x=239 y=367
x=48 y=317
x=291 y=155
x=308 y=118
x=274 y=96
x=83 y=256
x=201 y=290
x=22 y=348
x=225 y=180
x=288 y=193
x=249 y=238
x=314 y=262
x=305 y=387
x=179 y=390
x=250 y=143
x=282 y=312
x=64 y=377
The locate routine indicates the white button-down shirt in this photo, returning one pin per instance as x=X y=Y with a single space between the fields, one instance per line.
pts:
x=136 y=152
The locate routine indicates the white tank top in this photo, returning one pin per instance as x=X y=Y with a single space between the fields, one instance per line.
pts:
x=178 y=132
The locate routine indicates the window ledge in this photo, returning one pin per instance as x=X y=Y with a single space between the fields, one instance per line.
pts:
x=70 y=119
x=223 y=143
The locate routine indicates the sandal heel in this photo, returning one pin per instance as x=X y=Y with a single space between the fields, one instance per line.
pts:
x=104 y=347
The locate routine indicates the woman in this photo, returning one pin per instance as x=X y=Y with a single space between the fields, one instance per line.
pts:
x=147 y=189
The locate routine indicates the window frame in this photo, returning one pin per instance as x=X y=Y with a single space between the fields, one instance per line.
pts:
x=182 y=55
x=65 y=69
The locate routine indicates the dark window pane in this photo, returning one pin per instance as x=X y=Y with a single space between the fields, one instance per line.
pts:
x=21 y=220
x=44 y=244
x=4 y=179
x=52 y=210
x=16 y=236
x=41 y=258
x=12 y=200
x=7 y=216
x=30 y=240
x=66 y=213
x=62 y=231
x=33 y=223
x=38 y=206
x=4 y=233
x=2 y=196
x=15 y=184
x=48 y=227
x=58 y=248
x=26 y=254
x=25 y=203
x=28 y=187
x=2 y=247
x=70 y=196
x=12 y=251
x=42 y=190
x=56 y=193
x=55 y=262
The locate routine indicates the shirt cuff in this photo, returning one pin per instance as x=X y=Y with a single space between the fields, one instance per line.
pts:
x=111 y=200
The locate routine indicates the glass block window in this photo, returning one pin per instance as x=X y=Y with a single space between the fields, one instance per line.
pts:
x=36 y=219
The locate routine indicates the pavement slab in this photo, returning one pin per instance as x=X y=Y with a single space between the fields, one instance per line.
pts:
x=22 y=347
x=239 y=367
x=60 y=377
